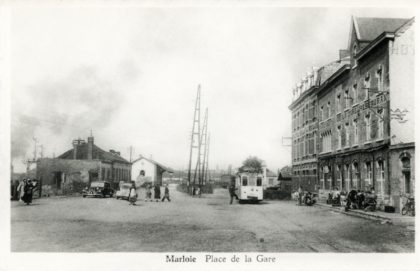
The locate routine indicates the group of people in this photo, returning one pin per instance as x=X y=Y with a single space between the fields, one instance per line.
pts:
x=24 y=190
x=357 y=199
x=133 y=195
x=305 y=197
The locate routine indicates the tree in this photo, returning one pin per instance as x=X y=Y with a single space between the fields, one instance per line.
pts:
x=252 y=164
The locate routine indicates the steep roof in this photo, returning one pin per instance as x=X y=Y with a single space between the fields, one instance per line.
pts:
x=167 y=169
x=328 y=70
x=367 y=29
x=97 y=153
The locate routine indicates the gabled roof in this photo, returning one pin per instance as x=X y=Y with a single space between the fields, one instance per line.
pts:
x=97 y=154
x=330 y=69
x=167 y=169
x=271 y=173
x=368 y=29
x=383 y=36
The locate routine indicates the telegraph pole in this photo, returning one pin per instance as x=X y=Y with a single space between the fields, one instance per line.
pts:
x=204 y=146
x=195 y=138
x=207 y=175
x=35 y=147
x=131 y=153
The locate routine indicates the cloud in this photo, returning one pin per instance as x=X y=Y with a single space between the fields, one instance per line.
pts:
x=83 y=100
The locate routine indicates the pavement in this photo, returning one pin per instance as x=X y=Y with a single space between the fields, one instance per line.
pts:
x=394 y=218
x=187 y=224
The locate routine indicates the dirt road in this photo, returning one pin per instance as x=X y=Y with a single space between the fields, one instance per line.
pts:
x=196 y=224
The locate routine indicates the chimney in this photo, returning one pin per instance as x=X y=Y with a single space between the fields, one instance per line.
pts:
x=90 y=148
x=75 y=145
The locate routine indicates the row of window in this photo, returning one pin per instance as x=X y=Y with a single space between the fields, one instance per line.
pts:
x=116 y=174
x=344 y=101
x=305 y=146
x=349 y=177
x=251 y=181
x=304 y=116
x=343 y=132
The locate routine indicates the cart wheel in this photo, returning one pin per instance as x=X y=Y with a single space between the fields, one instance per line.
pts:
x=84 y=196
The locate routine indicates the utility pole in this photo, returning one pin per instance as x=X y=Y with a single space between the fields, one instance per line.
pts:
x=35 y=147
x=204 y=146
x=207 y=175
x=131 y=153
x=42 y=150
x=195 y=139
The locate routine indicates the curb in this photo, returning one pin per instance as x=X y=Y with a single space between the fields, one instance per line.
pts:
x=365 y=215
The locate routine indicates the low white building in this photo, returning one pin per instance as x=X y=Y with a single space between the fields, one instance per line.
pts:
x=147 y=170
x=270 y=178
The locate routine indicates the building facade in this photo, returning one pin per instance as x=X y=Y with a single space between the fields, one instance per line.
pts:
x=305 y=125
x=76 y=168
x=148 y=170
x=365 y=114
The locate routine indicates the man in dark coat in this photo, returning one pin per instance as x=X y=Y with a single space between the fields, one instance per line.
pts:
x=232 y=192
x=166 y=195
x=29 y=188
x=157 y=192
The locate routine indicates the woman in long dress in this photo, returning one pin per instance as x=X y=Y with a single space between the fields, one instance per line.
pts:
x=21 y=189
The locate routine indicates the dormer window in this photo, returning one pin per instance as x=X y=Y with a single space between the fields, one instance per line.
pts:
x=354 y=50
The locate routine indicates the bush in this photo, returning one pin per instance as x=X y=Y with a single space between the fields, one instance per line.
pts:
x=275 y=194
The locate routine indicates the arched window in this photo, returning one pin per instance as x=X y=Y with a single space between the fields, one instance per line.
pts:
x=406 y=171
x=142 y=173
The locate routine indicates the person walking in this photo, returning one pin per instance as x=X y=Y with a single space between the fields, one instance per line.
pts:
x=300 y=194
x=28 y=192
x=132 y=196
x=166 y=195
x=232 y=192
x=21 y=190
x=157 y=192
x=148 y=193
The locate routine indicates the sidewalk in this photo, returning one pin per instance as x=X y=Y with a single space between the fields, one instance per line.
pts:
x=393 y=218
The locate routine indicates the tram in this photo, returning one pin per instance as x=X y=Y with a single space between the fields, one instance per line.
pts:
x=248 y=186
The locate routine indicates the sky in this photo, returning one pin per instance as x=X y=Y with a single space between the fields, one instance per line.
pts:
x=130 y=76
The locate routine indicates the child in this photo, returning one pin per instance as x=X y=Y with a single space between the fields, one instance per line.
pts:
x=133 y=195
x=148 y=193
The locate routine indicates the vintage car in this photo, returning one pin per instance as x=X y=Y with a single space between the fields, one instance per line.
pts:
x=124 y=191
x=98 y=189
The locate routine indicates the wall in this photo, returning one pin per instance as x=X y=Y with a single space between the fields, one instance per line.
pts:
x=74 y=175
x=401 y=73
x=397 y=180
x=148 y=167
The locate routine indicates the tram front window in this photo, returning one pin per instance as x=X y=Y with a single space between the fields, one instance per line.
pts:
x=244 y=181
x=259 y=181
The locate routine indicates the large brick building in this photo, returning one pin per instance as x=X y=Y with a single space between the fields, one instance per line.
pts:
x=76 y=168
x=365 y=114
